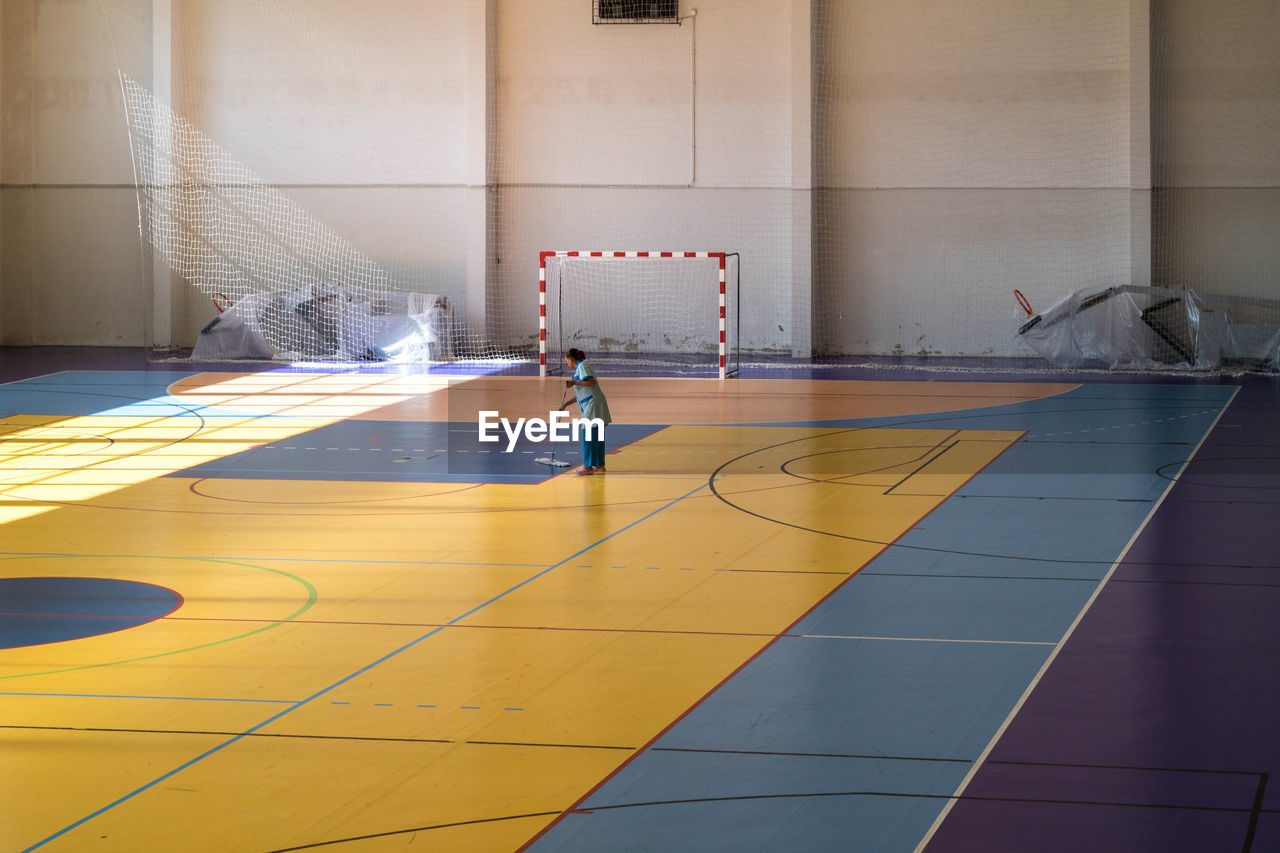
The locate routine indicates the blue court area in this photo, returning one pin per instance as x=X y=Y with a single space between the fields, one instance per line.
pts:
x=108 y=392
x=854 y=730
x=405 y=452
x=869 y=757
x=38 y=610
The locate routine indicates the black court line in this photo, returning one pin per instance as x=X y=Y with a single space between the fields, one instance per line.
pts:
x=1191 y=478
x=975 y=577
x=779 y=572
x=1228 y=502
x=547 y=745
x=522 y=744
x=1257 y=812
x=811 y=754
x=181 y=411
x=888 y=794
x=929 y=455
x=1060 y=498
x=1192 y=583
x=1140 y=768
x=711 y=485
x=927 y=462
x=1109 y=443
x=901 y=794
x=1255 y=445
x=1073 y=580
x=413 y=829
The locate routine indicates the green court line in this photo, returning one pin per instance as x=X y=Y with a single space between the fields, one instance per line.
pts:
x=312 y=594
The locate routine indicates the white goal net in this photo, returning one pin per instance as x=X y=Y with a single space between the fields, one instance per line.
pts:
x=305 y=188
x=673 y=310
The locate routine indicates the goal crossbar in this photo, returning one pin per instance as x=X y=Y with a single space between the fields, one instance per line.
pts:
x=542 y=292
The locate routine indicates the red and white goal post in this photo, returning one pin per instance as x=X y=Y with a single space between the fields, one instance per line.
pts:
x=650 y=308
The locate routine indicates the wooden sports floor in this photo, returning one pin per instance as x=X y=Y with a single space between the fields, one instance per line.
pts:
x=291 y=610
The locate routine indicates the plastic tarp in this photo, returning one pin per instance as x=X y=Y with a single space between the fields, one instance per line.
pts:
x=1155 y=328
x=327 y=324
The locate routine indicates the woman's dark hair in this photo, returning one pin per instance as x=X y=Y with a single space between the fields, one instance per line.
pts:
x=576 y=354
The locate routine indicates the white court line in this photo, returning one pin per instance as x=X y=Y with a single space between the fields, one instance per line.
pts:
x=40 y=376
x=924 y=640
x=977 y=765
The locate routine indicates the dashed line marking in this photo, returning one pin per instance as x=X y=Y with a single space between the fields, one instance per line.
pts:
x=1169 y=419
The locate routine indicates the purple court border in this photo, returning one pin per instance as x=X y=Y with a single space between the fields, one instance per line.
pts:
x=1155 y=728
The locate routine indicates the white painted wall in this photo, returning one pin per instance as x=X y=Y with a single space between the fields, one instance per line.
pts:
x=3 y=252
x=965 y=149
x=329 y=91
x=1216 y=109
x=624 y=137
x=68 y=213
x=958 y=149
x=999 y=93
x=359 y=112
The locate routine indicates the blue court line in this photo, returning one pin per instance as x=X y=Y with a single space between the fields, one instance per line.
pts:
x=347 y=678
x=174 y=698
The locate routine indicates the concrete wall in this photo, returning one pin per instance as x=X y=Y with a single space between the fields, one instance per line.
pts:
x=966 y=149
x=69 y=252
x=889 y=169
x=359 y=113
x=377 y=154
x=1216 y=114
x=649 y=137
x=3 y=251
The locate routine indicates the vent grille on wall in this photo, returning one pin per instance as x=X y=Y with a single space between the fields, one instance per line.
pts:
x=635 y=11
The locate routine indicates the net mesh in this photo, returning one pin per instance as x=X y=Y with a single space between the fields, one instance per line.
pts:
x=292 y=174
x=960 y=154
x=304 y=290
x=659 y=311
x=1215 y=119
x=889 y=174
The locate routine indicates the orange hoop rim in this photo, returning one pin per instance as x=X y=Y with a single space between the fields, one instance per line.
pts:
x=1022 y=300
x=219 y=305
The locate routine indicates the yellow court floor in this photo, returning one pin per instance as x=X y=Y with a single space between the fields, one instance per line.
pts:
x=443 y=665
